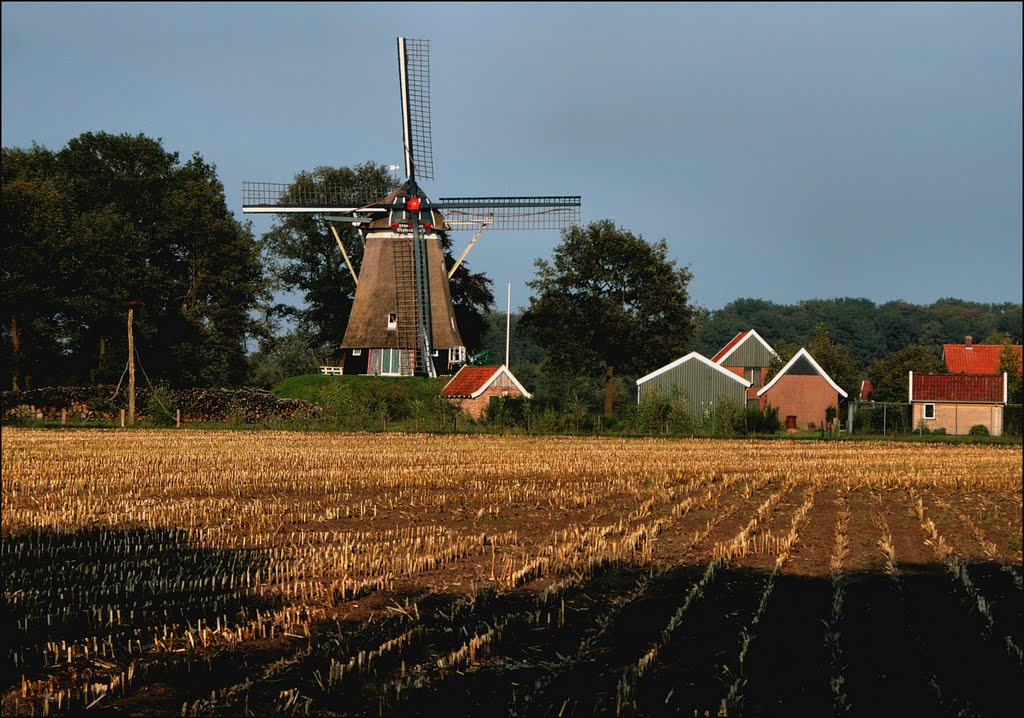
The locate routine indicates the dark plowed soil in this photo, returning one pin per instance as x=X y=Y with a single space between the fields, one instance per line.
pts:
x=884 y=674
x=786 y=668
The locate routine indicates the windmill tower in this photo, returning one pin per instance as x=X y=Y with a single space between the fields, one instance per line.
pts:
x=402 y=321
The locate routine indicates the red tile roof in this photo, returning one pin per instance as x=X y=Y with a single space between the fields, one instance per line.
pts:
x=975 y=358
x=732 y=342
x=469 y=380
x=968 y=388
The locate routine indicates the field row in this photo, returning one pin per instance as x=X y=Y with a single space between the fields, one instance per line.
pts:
x=547 y=576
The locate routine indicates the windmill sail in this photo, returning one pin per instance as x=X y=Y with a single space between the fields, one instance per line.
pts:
x=414 y=78
x=402 y=320
x=510 y=212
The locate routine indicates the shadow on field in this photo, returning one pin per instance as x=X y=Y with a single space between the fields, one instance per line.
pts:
x=920 y=644
x=917 y=646
x=118 y=587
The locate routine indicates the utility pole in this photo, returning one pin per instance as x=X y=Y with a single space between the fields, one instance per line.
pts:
x=508 y=324
x=131 y=362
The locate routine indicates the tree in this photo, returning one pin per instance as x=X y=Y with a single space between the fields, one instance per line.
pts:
x=280 y=357
x=869 y=332
x=889 y=376
x=834 y=359
x=36 y=215
x=609 y=301
x=1010 y=363
x=305 y=258
x=112 y=218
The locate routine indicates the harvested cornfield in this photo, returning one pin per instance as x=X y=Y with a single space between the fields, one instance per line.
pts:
x=246 y=573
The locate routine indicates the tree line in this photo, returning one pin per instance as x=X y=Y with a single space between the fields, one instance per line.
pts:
x=110 y=219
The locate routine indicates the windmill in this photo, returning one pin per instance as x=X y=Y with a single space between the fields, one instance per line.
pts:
x=402 y=321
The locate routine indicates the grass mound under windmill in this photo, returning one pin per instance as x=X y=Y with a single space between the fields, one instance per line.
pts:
x=373 y=402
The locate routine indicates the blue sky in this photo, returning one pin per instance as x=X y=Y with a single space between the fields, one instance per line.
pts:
x=785 y=152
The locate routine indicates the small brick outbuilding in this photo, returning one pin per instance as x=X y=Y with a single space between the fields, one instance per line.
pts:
x=473 y=387
x=802 y=392
x=958 y=402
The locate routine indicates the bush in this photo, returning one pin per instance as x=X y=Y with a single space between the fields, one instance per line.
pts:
x=159 y=406
x=978 y=430
x=758 y=421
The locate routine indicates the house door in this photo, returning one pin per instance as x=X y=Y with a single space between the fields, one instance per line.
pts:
x=790 y=422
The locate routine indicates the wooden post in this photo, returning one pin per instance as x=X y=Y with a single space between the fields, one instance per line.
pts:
x=177 y=418
x=508 y=326
x=122 y=418
x=131 y=367
x=344 y=254
x=15 y=354
x=609 y=391
x=63 y=417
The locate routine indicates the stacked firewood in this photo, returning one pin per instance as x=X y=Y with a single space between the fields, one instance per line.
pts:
x=104 y=402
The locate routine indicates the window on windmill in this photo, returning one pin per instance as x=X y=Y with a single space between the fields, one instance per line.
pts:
x=392 y=321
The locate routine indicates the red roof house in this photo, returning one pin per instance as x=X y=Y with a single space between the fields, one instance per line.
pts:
x=971 y=358
x=802 y=392
x=473 y=387
x=958 y=402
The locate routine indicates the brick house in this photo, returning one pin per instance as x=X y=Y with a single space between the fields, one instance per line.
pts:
x=748 y=356
x=802 y=392
x=473 y=387
x=971 y=358
x=957 y=402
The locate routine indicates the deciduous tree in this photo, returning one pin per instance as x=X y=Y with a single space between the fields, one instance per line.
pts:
x=609 y=301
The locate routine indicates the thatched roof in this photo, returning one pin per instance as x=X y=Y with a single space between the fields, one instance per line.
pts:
x=377 y=294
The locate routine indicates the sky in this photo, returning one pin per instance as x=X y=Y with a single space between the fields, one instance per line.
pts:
x=783 y=151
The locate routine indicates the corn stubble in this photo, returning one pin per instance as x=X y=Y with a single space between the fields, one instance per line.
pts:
x=131 y=554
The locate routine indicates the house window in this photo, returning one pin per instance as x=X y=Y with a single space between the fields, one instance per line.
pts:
x=392 y=321
x=389 y=363
x=929 y=411
x=753 y=375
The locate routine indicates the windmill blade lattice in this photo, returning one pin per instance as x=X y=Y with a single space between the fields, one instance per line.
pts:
x=510 y=212
x=414 y=75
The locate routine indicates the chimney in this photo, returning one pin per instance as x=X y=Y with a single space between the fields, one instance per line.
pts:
x=968 y=340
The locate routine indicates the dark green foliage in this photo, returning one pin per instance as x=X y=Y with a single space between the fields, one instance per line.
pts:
x=870 y=331
x=160 y=405
x=978 y=430
x=890 y=376
x=292 y=354
x=671 y=415
x=374 y=403
x=113 y=218
x=304 y=256
x=608 y=303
